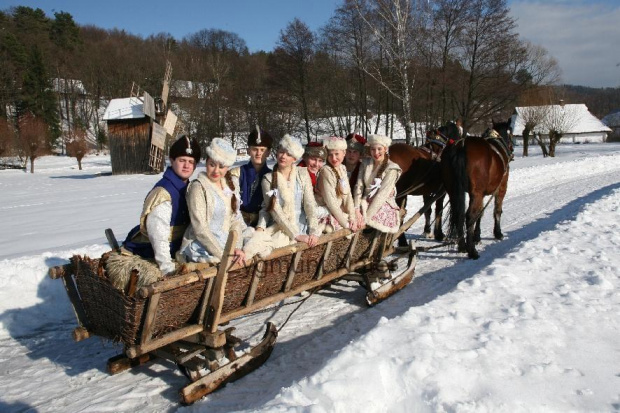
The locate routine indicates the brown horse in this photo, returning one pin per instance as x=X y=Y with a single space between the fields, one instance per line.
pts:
x=421 y=176
x=480 y=167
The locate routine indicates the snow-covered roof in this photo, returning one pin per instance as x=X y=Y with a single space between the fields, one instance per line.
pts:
x=612 y=119
x=576 y=117
x=124 y=108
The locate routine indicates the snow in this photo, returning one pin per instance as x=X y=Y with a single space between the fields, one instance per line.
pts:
x=533 y=325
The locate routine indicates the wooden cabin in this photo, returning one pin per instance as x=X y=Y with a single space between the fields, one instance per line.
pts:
x=129 y=136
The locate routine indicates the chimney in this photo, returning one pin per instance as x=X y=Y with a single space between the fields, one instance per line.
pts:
x=562 y=102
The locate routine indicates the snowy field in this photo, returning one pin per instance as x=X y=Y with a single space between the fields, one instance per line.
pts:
x=533 y=325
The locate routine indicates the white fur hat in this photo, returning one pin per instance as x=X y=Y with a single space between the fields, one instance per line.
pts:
x=380 y=140
x=292 y=146
x=221 y=152
x=334 y=143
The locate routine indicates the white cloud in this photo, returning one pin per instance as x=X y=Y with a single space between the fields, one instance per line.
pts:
x=584 y=36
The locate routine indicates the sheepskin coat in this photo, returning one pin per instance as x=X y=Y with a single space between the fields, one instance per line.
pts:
x=340 y=207
x=212 y=219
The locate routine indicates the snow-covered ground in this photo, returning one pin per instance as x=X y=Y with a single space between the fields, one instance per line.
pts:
x=533 y=325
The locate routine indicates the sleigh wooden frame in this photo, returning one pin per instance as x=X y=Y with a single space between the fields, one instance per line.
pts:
x=183 y=318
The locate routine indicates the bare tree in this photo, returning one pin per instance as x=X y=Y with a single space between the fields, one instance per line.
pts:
x=77 y=146
x=292 y=65
x=33 y=137
x=392 y=26
x=559 y=120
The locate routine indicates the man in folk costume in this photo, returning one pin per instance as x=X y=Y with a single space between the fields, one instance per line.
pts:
x=353 y=158
x=250 y=175
x=213 y=202
x=165 y=216
x=375 y=189
x=289 y=207
x=313 y=159
x=334 y=191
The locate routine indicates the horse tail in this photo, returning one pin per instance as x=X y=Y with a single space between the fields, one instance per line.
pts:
x=455 y=173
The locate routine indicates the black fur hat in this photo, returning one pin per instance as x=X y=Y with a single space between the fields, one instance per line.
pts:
x=183 y=146
x=259 y=137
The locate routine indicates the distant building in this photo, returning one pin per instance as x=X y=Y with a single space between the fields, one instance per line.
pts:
x=577 y=123
x=612 y=121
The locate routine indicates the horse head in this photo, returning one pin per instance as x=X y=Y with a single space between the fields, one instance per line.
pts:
x=450 y=132
x=504 y=130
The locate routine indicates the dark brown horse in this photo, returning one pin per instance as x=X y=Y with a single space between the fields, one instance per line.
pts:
x=421 y=176
x=478 y=166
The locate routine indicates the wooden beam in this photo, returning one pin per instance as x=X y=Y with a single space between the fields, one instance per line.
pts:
x=217 y=298
x=291 y=271
x=179 y=334
x=352 y=248
x=258 y=272
x=176 y=282
x=204 y=301
x=326 y=254
x=148 y=321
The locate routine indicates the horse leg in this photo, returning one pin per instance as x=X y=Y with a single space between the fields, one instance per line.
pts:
x=402 y=239
x=427 y=218
x=477 y=237
x=475 y=207
x=439 y=235
x=497 y=212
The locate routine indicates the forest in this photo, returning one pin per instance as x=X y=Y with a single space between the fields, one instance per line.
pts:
x=419 y=64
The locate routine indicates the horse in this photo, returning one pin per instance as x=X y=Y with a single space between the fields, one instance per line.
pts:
x=421 y=176
x=480 y=167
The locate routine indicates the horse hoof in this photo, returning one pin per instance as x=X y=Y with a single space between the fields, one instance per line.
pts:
x=499 y=235
x=428 y=235
x=439 y=237
x=473 y=255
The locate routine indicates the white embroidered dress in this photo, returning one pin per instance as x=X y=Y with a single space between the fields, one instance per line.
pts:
x=376 y=195
x=293 y=214
x=212 y=219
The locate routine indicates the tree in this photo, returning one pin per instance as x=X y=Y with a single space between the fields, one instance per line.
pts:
x=77 y=146
x=392 y=23
x=560 y=119
x=33 y=137
x=7 y=137
x=293 y=59
x=37 y=96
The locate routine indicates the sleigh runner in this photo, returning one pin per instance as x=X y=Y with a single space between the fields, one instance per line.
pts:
x=182 y=318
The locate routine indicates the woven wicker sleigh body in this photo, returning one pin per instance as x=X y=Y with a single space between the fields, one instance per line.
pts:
x=182 y=315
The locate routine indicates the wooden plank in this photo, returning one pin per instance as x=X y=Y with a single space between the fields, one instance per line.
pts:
x=352 y=248
x=179 y=334
x=121 y=363
x=280 y=296
x=291 y=271
x=60 y=271
x=233 y=370
x=150 y=317
x=258 y=272
x=74 y=298
x=204 y=307
x=176 y=282
x=217 y=298
x=326 y=253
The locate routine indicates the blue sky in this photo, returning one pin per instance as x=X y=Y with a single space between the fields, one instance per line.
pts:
x=583 y=35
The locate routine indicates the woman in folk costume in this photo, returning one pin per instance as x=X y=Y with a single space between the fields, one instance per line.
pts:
x=213 y=203
x=375 y=189
x=334 y=191
x=353 y=159
x=289 y=207
x=165 y=216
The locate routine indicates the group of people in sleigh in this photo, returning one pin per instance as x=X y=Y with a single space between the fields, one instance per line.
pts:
x=339 y=183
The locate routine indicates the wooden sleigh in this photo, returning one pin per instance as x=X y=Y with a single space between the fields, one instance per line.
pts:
x=182 y=318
